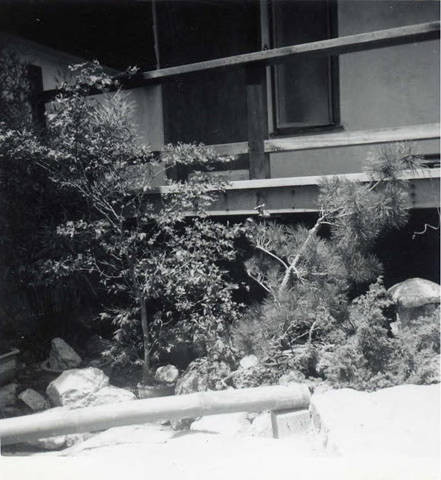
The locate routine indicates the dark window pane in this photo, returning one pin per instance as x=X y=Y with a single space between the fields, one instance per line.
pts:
x=302 y=85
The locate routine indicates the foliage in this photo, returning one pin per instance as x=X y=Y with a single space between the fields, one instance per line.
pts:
x=370 y=357
x=160 y=270
x=309 y=274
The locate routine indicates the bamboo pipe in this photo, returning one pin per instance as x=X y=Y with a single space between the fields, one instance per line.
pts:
x=90 y=419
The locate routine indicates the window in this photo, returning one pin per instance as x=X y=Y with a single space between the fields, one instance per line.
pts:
x=304 y=90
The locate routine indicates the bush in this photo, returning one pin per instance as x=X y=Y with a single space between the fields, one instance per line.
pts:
x=369 y=357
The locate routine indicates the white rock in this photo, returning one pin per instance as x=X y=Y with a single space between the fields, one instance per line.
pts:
x=402 y=421
x=34 y=400
x=73 y=387
x=415 y=292
x=62 y=356
x=167 y=374
x=226 y=423
x=261 y=426
x=8 y=395
x=57 y=442
x=248 y=361
x=109 y=394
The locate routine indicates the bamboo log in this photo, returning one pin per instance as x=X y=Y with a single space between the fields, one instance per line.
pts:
x=91 y=419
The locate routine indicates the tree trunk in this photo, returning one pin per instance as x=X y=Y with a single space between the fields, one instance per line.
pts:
x=146 y=371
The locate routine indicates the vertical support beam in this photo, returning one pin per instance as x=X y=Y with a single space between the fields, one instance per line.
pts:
x=37 y=104
x=257 y=121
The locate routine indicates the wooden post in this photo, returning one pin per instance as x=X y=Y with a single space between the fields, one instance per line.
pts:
x=257 y=121
x=37 y=103
x=50 y=423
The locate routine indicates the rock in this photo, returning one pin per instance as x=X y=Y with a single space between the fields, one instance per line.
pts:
x=415 y=292
x=202 y=375
x=261 y=426
x=248 y=361
x=109 y=394
x=73 y=387
x=226 y=423
x=415 y=297
x=57 y=442
x=8 y=395
x=62 y=356
x=144 y=435
x=167 y=374
x=293 y=376
x=34 y=400
x=396 y=421
x=96 y=345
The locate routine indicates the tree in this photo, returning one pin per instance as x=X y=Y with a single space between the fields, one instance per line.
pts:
x=307 y=274
x=158 y=258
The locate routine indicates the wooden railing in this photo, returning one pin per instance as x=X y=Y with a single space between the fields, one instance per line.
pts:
x=258 y=145
x=92 y=419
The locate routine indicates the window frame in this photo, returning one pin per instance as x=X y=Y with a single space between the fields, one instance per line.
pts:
x=268 y=33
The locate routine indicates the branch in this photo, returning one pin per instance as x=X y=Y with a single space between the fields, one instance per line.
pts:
x=262 y=249
x=267 y=289
x=293 y=265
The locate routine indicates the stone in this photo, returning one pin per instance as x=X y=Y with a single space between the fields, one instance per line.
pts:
x=415 y=292
x=34 y=400
x=109 y=394
x=201 y=376
x=8 y=395
x=57 y=442
x=226 y=423
x=73 y=387
x=293 y=376
x=62 y=356
x=248 y=361
x=401 y=421
x=167 y=374
x=261 y=426
x=415 y=298
x=289 y=422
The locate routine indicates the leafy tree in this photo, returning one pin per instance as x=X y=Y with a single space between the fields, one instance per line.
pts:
x=160 y=261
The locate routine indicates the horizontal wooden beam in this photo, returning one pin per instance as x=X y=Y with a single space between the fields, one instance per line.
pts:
x=299 y=195
x=426 y=173
x=340 y=139
x=91 y=419
x=334 y=46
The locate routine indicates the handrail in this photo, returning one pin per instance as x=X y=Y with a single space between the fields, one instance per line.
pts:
x=334 y=46
x=90 y=419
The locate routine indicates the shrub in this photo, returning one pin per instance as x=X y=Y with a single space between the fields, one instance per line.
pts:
x=369 y=357
x=159 y=269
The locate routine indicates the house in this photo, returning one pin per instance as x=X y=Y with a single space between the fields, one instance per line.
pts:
x=294 y=89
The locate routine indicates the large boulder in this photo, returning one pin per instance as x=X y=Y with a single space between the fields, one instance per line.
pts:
x=57 y=442
x=62 y=356
x=415 y=297
x=109 y=394
x=396 y=421
x=226 y=423
x=202 y=375
x=34 y=400
x=167 y=374
x=74 y=387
